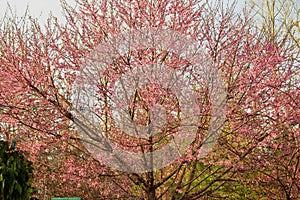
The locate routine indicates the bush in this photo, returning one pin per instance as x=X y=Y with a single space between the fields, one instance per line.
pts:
x=15 y=174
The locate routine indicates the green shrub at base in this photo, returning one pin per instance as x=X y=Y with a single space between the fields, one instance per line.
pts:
x=15 y=174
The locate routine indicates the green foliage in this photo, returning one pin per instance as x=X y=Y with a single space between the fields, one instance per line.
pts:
x=15 y=174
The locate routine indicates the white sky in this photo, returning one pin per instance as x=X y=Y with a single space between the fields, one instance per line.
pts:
x=38 y=8
x=41 y=8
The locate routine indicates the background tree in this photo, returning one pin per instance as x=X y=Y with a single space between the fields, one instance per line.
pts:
x=278 y=21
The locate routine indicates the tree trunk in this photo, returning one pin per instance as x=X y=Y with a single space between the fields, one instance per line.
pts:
x=151 y=194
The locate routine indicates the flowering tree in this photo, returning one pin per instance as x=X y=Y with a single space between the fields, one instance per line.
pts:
x=39 y=67
x=278 y=157
x=34 y=113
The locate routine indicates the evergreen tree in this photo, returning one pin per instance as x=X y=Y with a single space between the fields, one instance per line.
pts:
x=15 y=174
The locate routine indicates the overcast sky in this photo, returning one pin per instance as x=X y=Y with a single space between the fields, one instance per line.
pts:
x=38 y=8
